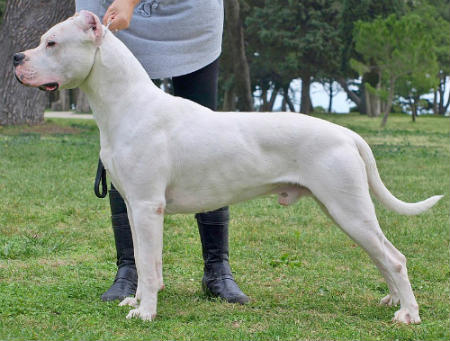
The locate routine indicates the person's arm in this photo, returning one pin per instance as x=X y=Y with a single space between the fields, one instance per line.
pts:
x=119 y=14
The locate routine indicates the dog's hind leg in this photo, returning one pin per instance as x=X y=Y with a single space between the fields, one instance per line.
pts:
x=363 y=228
x=345 y=195
x=148 y=227
x=392 y=298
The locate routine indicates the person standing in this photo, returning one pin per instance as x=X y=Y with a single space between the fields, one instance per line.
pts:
x=178 y=39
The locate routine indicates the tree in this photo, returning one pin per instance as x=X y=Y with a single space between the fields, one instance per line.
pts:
x=442 y=37
x=416 y=84
x=23 y=23
x=331 y=88
x=352 y=12
x=235 y=34
x=438 y=11
x=81 y=101
x=295 y=39
x=432 y=75
x=2 y=9
x=441 y=103
x=61 y=100
x=393 y=48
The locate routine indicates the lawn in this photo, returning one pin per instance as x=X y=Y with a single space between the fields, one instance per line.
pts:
x=305 y=278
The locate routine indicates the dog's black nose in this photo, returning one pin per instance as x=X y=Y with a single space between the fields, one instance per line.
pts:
x=18 y=58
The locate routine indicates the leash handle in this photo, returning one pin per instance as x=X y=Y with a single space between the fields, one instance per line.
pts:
x=100 y=177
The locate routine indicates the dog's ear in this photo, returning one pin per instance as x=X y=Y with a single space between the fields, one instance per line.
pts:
x=91 y=24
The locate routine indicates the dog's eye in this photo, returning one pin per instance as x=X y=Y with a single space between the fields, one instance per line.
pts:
x=51 y=43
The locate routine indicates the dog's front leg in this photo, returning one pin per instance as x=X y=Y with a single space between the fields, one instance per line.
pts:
x=148 y=220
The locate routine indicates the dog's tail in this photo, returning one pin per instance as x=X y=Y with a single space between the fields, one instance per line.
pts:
x=381 y=192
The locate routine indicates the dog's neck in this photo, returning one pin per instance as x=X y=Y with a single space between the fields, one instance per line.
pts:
x=115 y=76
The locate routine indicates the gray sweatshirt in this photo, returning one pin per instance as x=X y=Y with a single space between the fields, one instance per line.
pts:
x=170 y=37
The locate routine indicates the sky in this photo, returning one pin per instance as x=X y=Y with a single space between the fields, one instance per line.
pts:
x=319 y=97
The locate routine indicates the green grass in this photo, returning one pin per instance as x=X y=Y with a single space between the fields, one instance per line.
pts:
x=306 y=279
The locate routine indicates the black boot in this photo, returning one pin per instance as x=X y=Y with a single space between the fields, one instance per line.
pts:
x=125 y=282
x=217 y=279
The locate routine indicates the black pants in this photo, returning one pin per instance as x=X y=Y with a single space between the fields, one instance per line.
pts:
x=199 y=86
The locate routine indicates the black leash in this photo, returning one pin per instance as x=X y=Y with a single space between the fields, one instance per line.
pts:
x=101 y=176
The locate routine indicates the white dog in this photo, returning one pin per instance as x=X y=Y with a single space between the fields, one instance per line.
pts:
x=166 y=154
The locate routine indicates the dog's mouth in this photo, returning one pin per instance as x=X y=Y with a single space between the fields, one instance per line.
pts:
x=53 y=86
x=18 y=79
x=49 y=86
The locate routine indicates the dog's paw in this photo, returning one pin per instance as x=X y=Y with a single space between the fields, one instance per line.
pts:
x=390 y=300
x=405 y=316
x=131 y=301
x=142 y=314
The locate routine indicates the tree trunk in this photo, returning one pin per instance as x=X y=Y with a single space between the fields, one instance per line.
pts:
x=273 y=97
x=287 y=100
x=389 y=102
x=443 y=106
x=305 y=104
x=413 y=104
x=353 y=96
x=373 y=103
x=229 y=100
x=330 y=100
x=82 y=103
x=283 y=104
x=24 y=22
x=377 y=100
x=441 y=90
x=268 y=103
x=384 y=121
x=383 y=105
x=368 y=101
x=435 y=102
x=233 y=24
x=446 y=105
x=289 y=103
x=263 y=106
x=376 y=105
x=63 y=101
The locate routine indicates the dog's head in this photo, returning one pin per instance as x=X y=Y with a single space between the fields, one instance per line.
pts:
x=65 y=55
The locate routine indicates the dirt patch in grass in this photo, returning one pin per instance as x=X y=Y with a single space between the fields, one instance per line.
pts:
x=46 y=128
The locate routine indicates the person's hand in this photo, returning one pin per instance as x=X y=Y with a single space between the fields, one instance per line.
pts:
x=119 y=14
